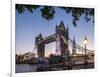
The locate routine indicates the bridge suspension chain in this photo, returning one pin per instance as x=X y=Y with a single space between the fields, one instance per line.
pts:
x=34 y=50
x=78 y=47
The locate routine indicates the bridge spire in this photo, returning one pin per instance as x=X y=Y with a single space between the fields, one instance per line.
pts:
x=62 y=26
x=67 y=30
x=62 y=23
x=74 y=46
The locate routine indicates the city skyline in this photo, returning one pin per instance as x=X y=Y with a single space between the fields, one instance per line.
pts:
x=29 y=25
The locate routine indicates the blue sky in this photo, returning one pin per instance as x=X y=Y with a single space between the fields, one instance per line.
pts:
x=29 y=25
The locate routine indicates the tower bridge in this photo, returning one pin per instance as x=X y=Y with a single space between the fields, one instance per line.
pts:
x=63 y=42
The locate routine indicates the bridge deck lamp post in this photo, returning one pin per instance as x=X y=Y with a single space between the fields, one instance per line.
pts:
x=85 y=41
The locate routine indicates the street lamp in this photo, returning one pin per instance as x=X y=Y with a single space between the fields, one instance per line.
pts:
x=85 y=41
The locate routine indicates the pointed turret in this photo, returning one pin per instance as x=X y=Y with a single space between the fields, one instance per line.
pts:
x=38 y=38
x=74 y=46
x=62 y=25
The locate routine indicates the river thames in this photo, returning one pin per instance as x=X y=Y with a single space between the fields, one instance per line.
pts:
x=21 y=68
x=25 y=68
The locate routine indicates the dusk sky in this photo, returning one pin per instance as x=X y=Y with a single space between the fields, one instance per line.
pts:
x=29 y=25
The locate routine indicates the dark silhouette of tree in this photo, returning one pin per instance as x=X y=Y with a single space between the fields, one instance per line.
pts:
x=48 y=12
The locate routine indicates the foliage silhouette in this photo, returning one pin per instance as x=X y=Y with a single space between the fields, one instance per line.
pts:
x=48 y=12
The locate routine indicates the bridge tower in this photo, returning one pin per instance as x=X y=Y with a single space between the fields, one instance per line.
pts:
x=62 y=36
x=74 y=46
x=40 y=46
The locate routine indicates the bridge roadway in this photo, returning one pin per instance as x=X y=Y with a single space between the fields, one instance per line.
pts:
x=48 y=39
x=52 y=37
